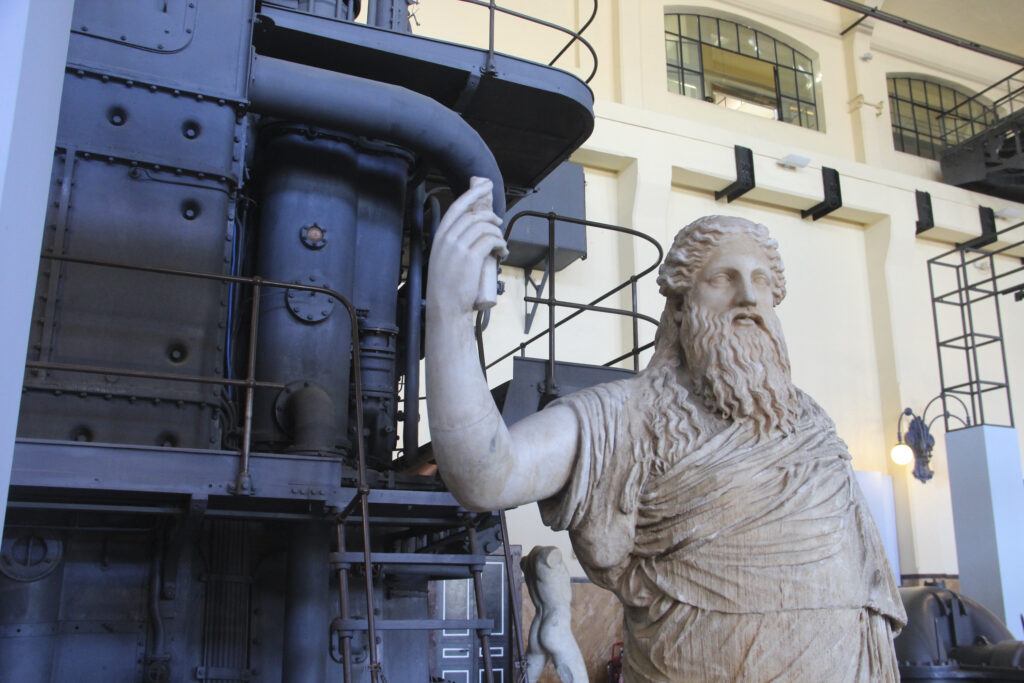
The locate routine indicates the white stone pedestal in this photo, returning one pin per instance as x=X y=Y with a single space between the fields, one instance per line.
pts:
x=988 y=514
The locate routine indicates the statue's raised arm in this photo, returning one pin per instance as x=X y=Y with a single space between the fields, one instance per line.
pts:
x=485 y=465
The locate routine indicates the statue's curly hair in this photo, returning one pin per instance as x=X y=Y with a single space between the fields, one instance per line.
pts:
x=693 y=244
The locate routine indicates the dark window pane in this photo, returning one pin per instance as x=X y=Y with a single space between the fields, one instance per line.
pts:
x=809 y=116
x=691 y=54
x=727 y=36
x=690 y=26
x=766 y=47
x=672 y=23
x=748 y=42
x=934 y=98
x=672 y=52
x=802 y=62
x=805 y=86
x=675 y=82
x=693 y=85
x=709 y=30
x=784 y=53
x=897 y=139
x=790 y=111
x=787 y=81
x=892 y=85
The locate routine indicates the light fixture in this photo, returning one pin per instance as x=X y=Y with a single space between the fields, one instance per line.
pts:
x=793 y=161
x=916 y=443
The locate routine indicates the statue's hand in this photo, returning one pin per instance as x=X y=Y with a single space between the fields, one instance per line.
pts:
x=467 y=234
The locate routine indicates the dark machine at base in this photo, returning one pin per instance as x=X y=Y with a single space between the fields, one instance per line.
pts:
x=950 y=637
x=226 y=345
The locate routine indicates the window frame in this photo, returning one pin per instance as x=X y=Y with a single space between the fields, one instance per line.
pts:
x=905 y=110
x=796 y=80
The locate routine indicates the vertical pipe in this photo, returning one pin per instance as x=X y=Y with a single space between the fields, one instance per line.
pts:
x=364 y=492
x=518 y=662
x=636 y=323
x=244 y=482
x=413 y=319
x=550 y=379
x=305 y=616
x=481 y=610
x=346 y=638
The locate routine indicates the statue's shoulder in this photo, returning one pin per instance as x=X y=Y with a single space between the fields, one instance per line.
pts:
x=812 y=411
x=609 y=394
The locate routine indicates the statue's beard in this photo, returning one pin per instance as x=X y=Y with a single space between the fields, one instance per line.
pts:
x=740 y=369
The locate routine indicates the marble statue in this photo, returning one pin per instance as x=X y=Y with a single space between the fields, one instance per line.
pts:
x=712 y=496
x=551 y=636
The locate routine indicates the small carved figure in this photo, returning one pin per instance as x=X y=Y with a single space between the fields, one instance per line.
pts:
x=547 y=579
x=712 y=496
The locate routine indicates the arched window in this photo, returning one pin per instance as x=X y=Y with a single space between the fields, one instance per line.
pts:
x=739 y=67
x=927 y=116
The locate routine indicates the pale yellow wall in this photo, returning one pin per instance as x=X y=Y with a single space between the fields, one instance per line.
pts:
x=858 y=316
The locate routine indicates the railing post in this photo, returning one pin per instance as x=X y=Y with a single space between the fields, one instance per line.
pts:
x=636 y=330
x=550 y=387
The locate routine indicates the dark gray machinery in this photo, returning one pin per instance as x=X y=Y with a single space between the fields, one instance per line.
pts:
x=949 y=637
x=228 y=305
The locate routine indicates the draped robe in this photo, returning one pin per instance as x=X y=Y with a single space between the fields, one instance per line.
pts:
x=736 y=557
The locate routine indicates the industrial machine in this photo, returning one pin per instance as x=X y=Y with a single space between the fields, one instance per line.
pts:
x=216 y=474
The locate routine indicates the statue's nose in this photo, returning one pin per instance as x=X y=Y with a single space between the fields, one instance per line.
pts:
x=746 y=294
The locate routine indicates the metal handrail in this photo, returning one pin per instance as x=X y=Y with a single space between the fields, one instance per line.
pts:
x=574 y=36
x=960 y=114
x=978 y=95
x=552 y=302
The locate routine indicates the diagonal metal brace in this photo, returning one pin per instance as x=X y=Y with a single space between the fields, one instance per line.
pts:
x=529 y=309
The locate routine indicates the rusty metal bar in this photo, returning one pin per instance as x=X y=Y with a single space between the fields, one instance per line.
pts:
x=244 y=482
x=101 y=370
x=481 y=610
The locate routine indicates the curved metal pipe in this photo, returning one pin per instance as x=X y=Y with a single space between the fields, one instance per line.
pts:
x=378 y=110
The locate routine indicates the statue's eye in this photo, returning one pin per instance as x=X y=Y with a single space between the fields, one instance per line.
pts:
x=721 y=278
x=761 y=279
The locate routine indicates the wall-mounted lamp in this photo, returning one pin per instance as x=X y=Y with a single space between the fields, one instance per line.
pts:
x=916 y=443
x=793 y=161
x=1009 y=213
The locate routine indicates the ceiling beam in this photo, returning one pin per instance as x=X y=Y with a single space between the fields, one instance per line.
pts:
x=876 y=13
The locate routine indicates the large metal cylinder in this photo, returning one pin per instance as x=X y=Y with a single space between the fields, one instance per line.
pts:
x=383 y=176
x=307 y=235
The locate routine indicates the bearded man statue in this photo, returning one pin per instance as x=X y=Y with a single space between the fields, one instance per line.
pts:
x=712 y=496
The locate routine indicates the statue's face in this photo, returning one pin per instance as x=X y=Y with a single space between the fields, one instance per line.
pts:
x=731 y=339
x=737 y=278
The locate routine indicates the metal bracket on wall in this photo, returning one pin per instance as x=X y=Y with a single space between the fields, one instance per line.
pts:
x=538 y=290
x=833 y=195
x=988 y=229
x=925 y=218
x=744 y=175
